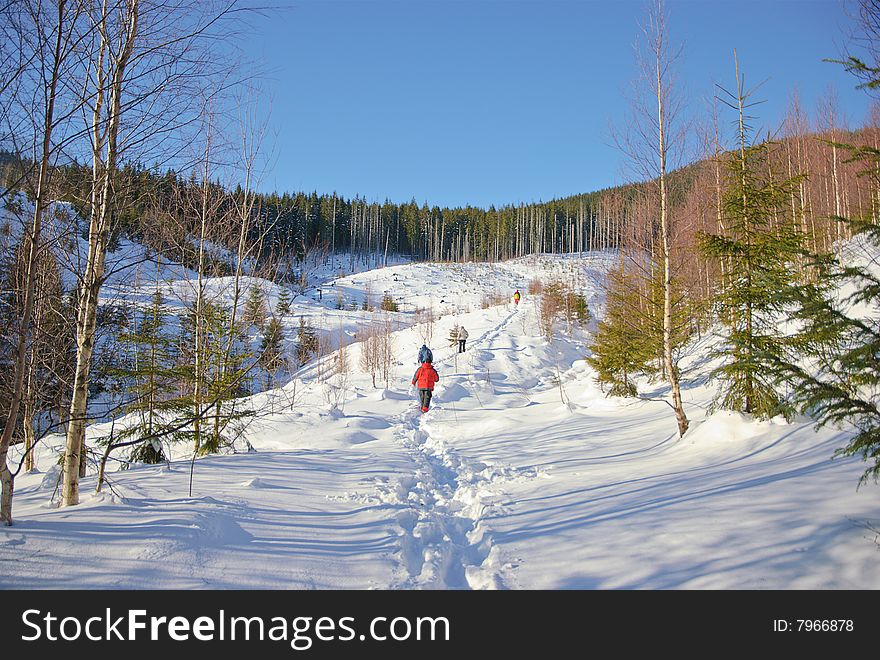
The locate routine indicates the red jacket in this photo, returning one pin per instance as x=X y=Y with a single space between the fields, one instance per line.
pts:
x=425 y=377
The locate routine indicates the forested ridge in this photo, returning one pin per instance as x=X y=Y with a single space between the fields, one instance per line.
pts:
x=294 y=223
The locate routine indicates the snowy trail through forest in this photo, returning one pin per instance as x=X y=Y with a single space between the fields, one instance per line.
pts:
x=444 y=540
x=522 y=475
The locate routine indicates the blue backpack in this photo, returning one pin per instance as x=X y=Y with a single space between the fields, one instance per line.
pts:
x=425 y=354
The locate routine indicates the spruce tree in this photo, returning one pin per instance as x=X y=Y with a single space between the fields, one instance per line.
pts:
x=255 y=311
x=837 y=378
x=307 y=342
x=760 y=257
x=282 y=309
x=624 y=344
x=228 y=354
x=835 y=374
x=271 y=349
x=146 y=367
x=761 y=264
x=224 y=354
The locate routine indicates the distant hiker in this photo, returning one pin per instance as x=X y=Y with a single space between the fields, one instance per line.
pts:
x=462 y=338
x=425 y=354
x=516 y=297
x=424 y=379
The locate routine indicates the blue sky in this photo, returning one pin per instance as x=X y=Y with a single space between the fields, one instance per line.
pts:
x=500 y=101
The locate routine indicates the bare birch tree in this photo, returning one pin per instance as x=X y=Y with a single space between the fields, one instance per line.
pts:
x=150 y=65
x=656 y=129
x=51 y=40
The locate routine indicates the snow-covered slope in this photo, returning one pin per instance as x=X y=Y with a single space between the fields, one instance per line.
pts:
x=523 y=475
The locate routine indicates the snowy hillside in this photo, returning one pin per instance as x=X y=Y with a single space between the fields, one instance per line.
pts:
x=522 y=475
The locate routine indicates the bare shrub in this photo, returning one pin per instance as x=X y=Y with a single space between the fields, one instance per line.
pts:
x=425 y=322
x=493 y=300
x=377 y=350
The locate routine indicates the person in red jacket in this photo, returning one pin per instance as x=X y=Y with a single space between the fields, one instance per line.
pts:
x=424 y=379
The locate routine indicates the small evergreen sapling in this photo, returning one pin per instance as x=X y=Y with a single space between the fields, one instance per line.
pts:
x=271 y=350
x=255 y=311
x=147 y=367
x=282 y=309
x=760 y=256
x=623 y=344
x=307 y=342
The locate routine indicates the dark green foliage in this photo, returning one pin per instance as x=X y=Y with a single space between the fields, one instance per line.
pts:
x=150 y=452
x=307 y=342
x=388 y=304
x=271 y=349
x=869 y=75
x=51 y=342
x=293 y=224
x=760 y=251
x=624 y=343
x=255 y=311
x=226 y=368
x=282 y=309
x=225 y=363
x=145 y=371
x=578 y=304
x=837 y=376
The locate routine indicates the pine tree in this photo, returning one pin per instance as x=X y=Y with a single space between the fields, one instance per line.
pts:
x=760 y=258
x=282 y=309
x=271 y=349
x=835 y=372
x=624 y=343
x=146 y=367
x=255 y=311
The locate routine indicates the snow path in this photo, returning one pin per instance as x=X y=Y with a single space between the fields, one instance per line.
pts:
x=444 y=541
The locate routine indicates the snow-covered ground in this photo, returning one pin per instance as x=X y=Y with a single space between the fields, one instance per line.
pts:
x=522 y=475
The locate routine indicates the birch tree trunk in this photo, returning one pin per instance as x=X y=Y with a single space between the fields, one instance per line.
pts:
x=661 y=64
x=33 y=246
x=99 y=231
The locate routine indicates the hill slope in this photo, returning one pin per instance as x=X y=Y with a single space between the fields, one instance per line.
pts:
x=510 y=481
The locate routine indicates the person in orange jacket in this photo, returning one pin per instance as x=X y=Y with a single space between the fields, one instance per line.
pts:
x=424 y=379
x=516 y=297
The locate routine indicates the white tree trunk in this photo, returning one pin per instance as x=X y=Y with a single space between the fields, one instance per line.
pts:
x=99 y=232
x=33 y=242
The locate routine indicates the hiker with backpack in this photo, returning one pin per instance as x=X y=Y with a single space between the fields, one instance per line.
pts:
x=462 y=338
x=425 y=354
x=424 y=379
